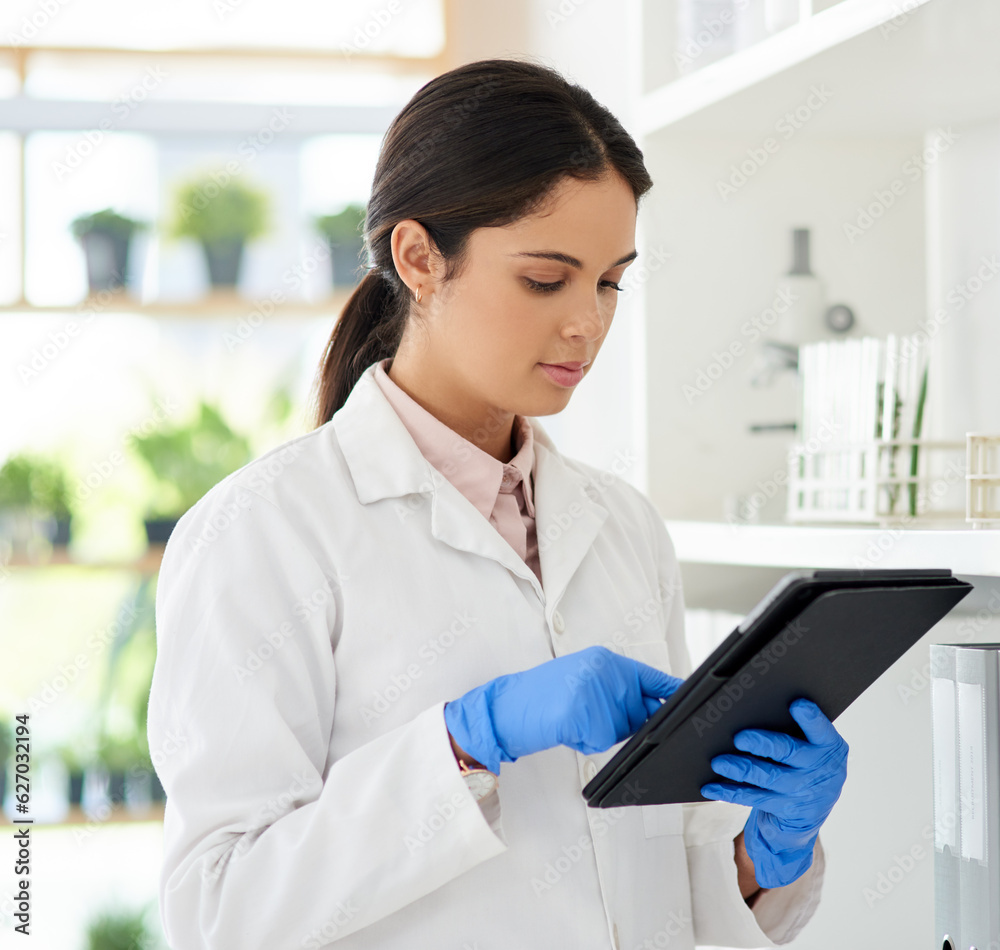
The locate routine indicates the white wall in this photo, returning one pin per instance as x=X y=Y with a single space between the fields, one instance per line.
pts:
x=963 y=199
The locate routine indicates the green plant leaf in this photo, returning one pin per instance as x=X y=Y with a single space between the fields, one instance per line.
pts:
x=119 y=929
x=917 y=425
x=187 y=460
x=6 y=741
x=106 y=220
x=31 y=480
x=15 y=481
x=344 y=227
x=209 y=212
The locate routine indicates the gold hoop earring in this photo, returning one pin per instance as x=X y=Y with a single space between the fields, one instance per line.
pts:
x=418 y=295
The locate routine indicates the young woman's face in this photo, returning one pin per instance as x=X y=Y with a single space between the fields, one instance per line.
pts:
x=482 y=337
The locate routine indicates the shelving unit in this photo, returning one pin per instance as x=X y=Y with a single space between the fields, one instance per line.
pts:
x=118 y=813
x=964 y=551
x=692 y=95
x=903 y=89
x=148 y=563
x=214 y=305
x=205 y=123
x=168 y=121
x=880 y=93
x=893 y=69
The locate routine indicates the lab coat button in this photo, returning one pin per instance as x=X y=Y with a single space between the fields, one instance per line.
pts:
x=617 y=945
x=557 y=622
x=590 y=770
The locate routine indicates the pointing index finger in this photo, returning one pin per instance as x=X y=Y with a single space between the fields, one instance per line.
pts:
x=655 y=682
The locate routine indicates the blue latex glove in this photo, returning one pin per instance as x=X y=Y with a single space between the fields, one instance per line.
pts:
x=587 y=700
x=790 y=800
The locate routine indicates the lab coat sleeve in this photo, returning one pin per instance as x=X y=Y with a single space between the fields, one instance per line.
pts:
x=268 y=843
x=721 y=916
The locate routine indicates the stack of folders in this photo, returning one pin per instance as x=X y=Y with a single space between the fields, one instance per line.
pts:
x=965 y=705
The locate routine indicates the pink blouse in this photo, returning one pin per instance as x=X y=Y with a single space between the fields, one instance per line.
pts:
x=501 y=491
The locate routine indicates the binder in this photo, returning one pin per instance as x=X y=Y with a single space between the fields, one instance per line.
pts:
x=825 y=635
x=967 y=891
x=944 y=756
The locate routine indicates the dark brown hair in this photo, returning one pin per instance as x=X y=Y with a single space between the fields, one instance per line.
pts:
x=479 y=146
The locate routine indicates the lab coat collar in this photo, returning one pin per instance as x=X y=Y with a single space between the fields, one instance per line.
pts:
x=385 y=462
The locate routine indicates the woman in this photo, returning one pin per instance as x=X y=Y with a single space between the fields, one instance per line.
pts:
x=356 y=629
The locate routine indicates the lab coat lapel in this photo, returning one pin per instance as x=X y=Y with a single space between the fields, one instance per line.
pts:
x=567 y=518
x=385 y=462
x=456 y=521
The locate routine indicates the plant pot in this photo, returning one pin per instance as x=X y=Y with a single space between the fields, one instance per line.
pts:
x=62 y=530
x=75 y=786
x=138 y=789
x=116 y=787
x=26 y=534
x=94 y=799
x=156 y=790
x=57 y=529
x=223 y=258
x=158 y=530
x=346 y=260
x=107 y=259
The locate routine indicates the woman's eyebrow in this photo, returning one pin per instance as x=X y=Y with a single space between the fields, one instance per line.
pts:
x=569 y=259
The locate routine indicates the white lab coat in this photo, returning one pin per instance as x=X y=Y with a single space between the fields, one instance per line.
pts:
x=314 y=612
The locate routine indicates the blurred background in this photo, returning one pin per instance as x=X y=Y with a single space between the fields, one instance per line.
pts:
x=181 y=193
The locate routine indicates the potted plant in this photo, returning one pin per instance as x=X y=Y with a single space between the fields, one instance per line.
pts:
x=6 y=748
x=77 y=759
x=34 y=500
x=223 y=218
x=19 y=523
x=106 y=237
x=116 y=754
x=125 y=700
x=119 y=928
x=51 y=495
x=140 y=787
x=185 y=462
x=346 y=241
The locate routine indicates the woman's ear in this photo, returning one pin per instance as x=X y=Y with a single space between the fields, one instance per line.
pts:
x=413 y=254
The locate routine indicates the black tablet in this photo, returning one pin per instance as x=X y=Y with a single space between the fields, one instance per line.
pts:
x=825 y=635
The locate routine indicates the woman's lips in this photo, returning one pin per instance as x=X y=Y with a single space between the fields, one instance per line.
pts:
x=565 y=374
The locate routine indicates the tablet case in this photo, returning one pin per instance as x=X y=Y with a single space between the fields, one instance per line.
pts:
x=829 y=652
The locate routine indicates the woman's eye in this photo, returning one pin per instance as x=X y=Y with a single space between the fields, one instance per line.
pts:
x=546 y=288
x=542 y=288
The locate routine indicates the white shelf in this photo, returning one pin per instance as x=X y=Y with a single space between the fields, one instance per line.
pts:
x=219 y=303
x=964 y=551
x=890 y=69
x=25 y=114
x=770 y=56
